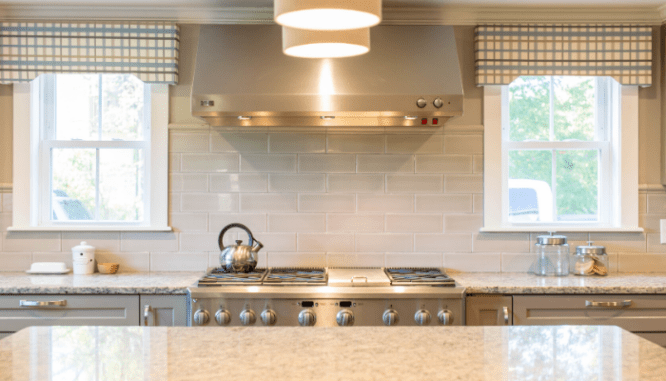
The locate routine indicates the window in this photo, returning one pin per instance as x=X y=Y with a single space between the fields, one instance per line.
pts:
x=561 y=152
x=96 y=147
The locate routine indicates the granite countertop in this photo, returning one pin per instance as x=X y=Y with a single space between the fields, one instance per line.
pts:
x=122 y=283
x=352 y=353
x=522 y=283
x=474 y=283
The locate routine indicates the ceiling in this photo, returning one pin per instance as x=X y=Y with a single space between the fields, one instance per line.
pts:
x=387 y=3
x=396 y=12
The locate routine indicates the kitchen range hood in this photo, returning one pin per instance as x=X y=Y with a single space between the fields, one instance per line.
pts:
x=410 y=77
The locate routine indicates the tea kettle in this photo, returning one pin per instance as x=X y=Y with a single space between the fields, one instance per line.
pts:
x=238 y=257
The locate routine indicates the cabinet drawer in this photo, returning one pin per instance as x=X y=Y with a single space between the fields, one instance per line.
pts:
x=641 y=312
x=68 y=310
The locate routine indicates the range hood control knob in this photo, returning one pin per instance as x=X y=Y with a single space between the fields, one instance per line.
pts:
x=445 y=317
x=248 y=317
x=201 y=317
x=421 y=102
x=422 y=317
x=307 y=318
x=345 y=318
x=223 y=317
x=390 y=317
x=438 y=103
x=268 y=317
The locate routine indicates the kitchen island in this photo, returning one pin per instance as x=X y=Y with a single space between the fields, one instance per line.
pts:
x=352 y=353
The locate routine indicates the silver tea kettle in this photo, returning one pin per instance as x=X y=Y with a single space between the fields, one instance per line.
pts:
x=238 y=257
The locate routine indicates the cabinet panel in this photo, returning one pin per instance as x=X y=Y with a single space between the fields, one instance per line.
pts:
x=658 y=338
x=641 y=313
x=118 y=310
x=489 y=310
x=164 y=310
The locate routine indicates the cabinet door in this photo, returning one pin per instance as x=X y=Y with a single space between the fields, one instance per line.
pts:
x=489 y=310
x=636 y=313
x=164 y=310
x=20 y=311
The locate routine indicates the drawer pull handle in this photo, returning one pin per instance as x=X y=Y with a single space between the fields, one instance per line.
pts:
x=146 y=314
x=34 y=303
x=590 y=303
x=506 y=315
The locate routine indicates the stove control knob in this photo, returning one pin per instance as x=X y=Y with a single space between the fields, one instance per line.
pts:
x=307 y=318
x=248 y=317
x=422 y=317
x=390 y=317
x=223 y=317
x=421 y=102
x=268 y=317
x=445 y=317
x=345 y=318
x=201 y=317
x=438 y=102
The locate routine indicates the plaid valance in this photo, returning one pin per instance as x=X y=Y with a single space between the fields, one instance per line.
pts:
x=505 y=52
x=147 y=50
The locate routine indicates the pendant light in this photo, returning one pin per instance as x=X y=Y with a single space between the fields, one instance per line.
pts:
x=325 y=44
x=328 y=14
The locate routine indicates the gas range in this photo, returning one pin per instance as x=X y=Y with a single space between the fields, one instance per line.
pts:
x=324 y=297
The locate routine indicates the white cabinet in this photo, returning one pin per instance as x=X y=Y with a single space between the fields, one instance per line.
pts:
x=163 y=310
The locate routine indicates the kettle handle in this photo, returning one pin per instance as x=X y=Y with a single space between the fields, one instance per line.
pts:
x=231 y=226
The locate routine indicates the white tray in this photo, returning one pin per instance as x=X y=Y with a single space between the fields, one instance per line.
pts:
x=48 y=272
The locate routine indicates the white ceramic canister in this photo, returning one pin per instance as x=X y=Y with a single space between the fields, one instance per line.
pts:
x=83 y=259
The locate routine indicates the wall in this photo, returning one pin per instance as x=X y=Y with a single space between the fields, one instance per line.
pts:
x=315 y=198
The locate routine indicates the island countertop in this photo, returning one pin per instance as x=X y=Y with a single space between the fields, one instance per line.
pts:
x=351 y=353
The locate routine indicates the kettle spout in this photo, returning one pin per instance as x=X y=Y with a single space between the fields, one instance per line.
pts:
x=256 y=246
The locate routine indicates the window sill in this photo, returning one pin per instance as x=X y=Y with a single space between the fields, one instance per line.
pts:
x=91 y=229
x=545 y=228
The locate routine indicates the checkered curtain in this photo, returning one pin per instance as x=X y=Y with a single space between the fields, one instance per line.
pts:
x=147 y=50
x=505 y=52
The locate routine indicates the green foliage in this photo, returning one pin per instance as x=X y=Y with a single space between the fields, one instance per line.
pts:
x=576 y=171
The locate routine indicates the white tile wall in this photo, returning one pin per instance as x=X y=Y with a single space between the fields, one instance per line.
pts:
x=336 y=199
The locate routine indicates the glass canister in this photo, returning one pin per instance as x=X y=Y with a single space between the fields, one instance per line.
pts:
x=589 y=260
x=552 y=255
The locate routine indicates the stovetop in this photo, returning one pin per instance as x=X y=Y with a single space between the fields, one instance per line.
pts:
x=342 y=277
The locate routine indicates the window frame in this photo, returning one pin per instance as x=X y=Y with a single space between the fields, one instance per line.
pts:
x=31 y=167
x=621 y=183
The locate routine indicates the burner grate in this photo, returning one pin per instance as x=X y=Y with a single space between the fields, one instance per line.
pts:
x=419 y=276
x=222 y=276
x=296 y=276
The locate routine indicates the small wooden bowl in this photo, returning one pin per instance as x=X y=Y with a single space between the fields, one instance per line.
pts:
x=108 y=268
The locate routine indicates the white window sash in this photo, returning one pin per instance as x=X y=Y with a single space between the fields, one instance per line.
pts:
x=620 y=186
x=29 y=157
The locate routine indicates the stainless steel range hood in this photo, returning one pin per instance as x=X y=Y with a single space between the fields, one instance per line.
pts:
x=242 y=78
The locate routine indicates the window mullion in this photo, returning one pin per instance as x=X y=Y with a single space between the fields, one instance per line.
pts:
x=554 y=182
x=551 y=119
x=97 y=185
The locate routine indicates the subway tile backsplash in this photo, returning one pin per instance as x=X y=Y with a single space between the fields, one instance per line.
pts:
x=328 y=199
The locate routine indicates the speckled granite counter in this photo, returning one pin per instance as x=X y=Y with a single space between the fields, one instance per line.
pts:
x=521 y=283
x=354 y=353
x=123 y=283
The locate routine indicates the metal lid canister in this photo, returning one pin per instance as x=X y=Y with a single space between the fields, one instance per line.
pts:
x=551 y=239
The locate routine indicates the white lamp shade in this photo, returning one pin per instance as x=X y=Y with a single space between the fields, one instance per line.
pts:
x=325 y=44
x=328 y=14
